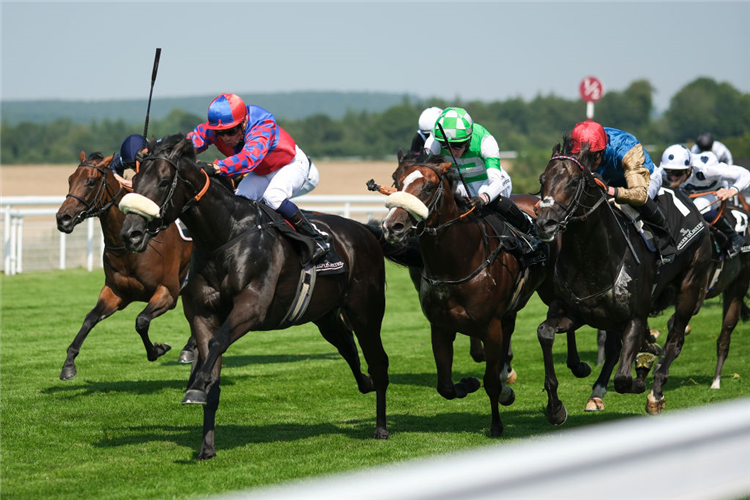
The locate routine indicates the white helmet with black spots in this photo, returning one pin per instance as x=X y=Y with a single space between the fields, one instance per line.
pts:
x=676 y=157
x=705 y=159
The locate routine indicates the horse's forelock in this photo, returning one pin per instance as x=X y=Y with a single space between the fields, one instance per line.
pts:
x=96 y=155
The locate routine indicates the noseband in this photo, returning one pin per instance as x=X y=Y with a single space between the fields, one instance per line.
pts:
x=94 y=209
x=586 y=181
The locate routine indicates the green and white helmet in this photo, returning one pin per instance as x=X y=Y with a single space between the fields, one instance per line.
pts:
x=456 y=123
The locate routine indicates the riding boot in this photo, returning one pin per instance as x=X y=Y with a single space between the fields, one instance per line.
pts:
x=307 y=228
x=510 y=211
x=735 y=240
x=651 y=213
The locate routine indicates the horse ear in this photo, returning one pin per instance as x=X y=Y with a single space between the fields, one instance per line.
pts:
x=108 y=160
x=444 y=167
x=556 y=149
x=82 y=156
x=400 y=154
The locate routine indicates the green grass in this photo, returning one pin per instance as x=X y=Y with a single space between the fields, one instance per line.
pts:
x=289 y=409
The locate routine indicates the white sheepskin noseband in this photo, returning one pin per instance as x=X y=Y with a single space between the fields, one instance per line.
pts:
x=408 y=202
x=139 y=204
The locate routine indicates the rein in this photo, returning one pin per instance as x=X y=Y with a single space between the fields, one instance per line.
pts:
x=93 y=209
x=721 y=207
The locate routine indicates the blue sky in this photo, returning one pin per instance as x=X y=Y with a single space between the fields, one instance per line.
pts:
x=486 y=50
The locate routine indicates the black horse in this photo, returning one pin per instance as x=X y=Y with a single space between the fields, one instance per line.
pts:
x=245 y=276
x=606 y=277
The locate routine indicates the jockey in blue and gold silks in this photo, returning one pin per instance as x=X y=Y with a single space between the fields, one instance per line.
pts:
x=626 y=168
x=274 y=166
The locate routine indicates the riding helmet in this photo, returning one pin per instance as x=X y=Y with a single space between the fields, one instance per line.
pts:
x=591 y=132
x=226 y=111
x=428 y=118
x=456 y=123
x=676 y=157
x=705 y=141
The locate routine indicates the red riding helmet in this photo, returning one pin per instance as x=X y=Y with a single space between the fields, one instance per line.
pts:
x=591 y=132
x=226 y=111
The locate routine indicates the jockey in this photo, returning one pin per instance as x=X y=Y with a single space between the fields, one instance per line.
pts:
x=477 y=156
x=426 y=121
x=706 y=142
x=126 y=158
x=276 y=168
x=702 y=172
x=626 y=168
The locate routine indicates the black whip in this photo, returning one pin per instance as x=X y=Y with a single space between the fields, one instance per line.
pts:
x=148 y=110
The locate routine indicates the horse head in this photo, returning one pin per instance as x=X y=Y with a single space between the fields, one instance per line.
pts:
x=89 y=191
x=567 y=185
x=163 y=188
x=423 y=185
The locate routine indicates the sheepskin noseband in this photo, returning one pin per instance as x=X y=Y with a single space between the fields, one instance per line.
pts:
x=408 y=202
x=139 y=204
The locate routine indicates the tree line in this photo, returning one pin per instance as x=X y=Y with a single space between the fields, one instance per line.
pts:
x=529 y=128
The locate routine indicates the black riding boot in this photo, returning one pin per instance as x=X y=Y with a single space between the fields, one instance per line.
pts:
x=735 y=240
x=307 y=228
x=651 y=213
x=514 y=215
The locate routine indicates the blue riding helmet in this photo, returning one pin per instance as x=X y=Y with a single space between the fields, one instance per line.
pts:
x=126 y=159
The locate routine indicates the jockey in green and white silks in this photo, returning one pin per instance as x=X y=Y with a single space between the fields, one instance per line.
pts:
x=477 y=156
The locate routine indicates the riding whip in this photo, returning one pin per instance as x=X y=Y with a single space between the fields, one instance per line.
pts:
x=450 y=149
x=148 y=109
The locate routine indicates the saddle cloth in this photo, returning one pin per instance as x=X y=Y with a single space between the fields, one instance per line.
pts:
x=513 y=242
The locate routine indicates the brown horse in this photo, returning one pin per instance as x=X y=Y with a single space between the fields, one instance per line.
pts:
x=154 y=276
x=606 y=277
x=471 y=282
x=245 y=275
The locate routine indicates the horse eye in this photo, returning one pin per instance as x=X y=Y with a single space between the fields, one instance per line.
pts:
x=90 y=182
x=164 y=183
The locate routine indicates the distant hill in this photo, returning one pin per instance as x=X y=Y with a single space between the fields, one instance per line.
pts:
x=289 y=105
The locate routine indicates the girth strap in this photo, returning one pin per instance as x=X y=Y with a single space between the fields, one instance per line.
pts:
x=305 y=288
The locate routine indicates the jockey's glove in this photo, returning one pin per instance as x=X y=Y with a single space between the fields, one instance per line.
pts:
x=207 y=167
x=478 y=202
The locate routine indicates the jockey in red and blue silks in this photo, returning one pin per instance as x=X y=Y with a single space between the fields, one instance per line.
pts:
x=275 y=169
x=626 y=168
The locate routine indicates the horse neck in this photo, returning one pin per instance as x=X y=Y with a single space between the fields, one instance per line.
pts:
x=218 y=217
x=111 y=219
x=452 y=249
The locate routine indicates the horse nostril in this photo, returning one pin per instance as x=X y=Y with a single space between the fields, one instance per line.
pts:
x=397 y=228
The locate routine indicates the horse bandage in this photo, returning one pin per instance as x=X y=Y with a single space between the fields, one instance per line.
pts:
x=408 y=202
x=139 y=204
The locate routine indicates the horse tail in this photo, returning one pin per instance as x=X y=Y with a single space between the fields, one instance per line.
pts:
x=407 y=255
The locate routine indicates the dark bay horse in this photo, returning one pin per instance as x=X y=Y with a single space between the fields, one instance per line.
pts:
x=154 y=276
x=471 y=283
x=244 y=275
x=605 y=277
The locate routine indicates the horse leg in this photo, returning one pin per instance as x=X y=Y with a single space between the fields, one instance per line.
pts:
x=579 y=368
x=733 y=298
x=366 y=326
x=161 y=301
x=507 y=374
x=187 y=354
x=612 y=345
x=600 y=341
x=496 y=390
x=335 y=331
x=476 y=350
x=631 y=342
x=442 y=350
x=555 y=412
x=208 y=446
x=106 y=305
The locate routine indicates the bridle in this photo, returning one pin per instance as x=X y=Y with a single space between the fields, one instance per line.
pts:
x=585 y=182
x=95 y=208
x=421 y=226
x=168 y=201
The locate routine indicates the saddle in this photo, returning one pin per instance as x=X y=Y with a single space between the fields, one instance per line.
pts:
x=305 y=246
x=514 y=241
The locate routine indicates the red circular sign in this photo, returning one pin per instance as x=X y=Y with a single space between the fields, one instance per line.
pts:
x=591 y=89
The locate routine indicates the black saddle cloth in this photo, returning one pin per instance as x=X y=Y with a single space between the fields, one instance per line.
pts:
x=305 y=245
x=512 y=242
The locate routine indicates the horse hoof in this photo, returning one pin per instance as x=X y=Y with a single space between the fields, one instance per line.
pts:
x=206 y=455
x=654 y=406
x=68 y=373
x=381 y=433
x=558 y=417
x=512 y=377
x=688 y=330
x=496 y=431
x=655 y=333
x=507 y=396
x=582 y=370
x=716 y=383
x=186 y=357
x=471 y=384
x=594 y=404
x=194 y=397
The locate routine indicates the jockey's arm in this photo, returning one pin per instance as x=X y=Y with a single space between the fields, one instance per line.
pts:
x=738 y=179
x=637 y=178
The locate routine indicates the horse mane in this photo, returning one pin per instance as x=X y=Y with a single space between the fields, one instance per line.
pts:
x=96 y=156
x=585 y=156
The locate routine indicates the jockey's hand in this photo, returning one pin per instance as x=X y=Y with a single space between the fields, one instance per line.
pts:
x=608 y=190
x=372 y=185
x=209 y=168
x=479 y=202
x=612 y=192
x=724 y=194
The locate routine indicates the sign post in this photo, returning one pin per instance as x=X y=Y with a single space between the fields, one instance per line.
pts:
x=591 y=89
